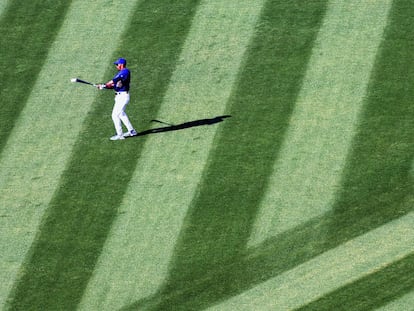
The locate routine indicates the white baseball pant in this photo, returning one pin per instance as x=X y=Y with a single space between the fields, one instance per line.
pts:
x=118 y=113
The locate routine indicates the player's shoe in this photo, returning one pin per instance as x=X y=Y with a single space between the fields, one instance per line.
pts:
x=117 y=137
x=131 y=133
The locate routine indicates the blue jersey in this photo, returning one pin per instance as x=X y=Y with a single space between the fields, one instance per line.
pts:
x=121 y=80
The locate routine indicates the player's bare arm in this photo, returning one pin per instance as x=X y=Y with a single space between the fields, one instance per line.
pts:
x=107 y=85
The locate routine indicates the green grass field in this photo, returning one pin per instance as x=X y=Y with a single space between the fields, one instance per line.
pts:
x=287 y=184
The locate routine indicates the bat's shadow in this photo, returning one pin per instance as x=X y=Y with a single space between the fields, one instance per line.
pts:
x=182 y=126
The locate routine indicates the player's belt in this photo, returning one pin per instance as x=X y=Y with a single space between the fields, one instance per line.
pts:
x=119 y=93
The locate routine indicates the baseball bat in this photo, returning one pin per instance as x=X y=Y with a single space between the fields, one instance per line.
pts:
x=82 y=81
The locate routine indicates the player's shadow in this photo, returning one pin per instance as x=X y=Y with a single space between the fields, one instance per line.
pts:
x=182 y=126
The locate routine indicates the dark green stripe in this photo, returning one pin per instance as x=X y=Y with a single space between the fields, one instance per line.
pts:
x=28 y=28
x=221 y=217
x=377 y=181
x=371 y=292
x=79 y=218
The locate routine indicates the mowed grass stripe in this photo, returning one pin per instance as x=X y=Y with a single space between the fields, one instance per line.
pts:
x=345 y=264
x=404 y=303
x=374 y=290
x=40 y=144
x=307 y=173
x=135 y=260
x=28 y=29
x=80 y=214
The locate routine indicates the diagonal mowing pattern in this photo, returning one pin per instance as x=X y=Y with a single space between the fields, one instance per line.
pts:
x=27 y=29
x=397 y=136
x=307 y=173
x=81 y=212
x=135 y=260
x=218 y=223
x=342 y=265
x=302 y=247
x=40 y=143
x=377 y=184
x=371 y=291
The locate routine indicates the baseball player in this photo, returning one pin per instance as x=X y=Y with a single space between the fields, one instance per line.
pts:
x=120 y=83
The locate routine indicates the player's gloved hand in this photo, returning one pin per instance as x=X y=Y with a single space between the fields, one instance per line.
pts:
x=101 y=86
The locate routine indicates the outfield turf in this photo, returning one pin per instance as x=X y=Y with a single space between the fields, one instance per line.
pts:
x=300 y=197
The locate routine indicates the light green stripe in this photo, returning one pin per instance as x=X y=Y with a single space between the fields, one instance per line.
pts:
x=404 y=303
x=3 y=5
x=307 y=174
x=42 y=139
x=343 y=265
x=135 y=259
